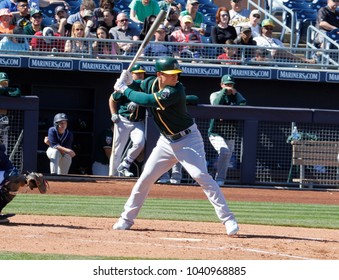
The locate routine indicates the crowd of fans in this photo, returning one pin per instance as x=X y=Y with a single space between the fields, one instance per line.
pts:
x=185 y=24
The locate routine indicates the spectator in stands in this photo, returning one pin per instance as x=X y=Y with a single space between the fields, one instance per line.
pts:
x=61 y=26
x=156 y=49
x=141 y=9
x=217 y=134
x=166 y=4
x=36 y=23
x=245 y=39
x=109 y=19
x=125 y=32
x=238 y=13
x=222 y=31
x=184 y=34
x=5 y=22
x=172 y=22
x=22 y=15
x=192 y=7
x=230 y=53
x=103 y=151
x=266 y=40
x=108 y=6
x=146 y=26
x=85 y=16
x=254 y=23
x=77 y=46
x=47 y=45
x=101 y=49
x=327 y=20
x=14 y=44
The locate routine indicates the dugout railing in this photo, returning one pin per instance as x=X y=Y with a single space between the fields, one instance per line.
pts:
x=263 y=152
x=21 y=116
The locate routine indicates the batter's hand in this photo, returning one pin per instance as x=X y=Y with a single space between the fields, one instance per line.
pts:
x=115 y=118
x=126 y=76
x=120 y=86
x=132 y=107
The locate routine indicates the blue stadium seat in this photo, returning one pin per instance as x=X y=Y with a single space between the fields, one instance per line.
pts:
x=206 y=9
x=209 y=18
x=304 y=19
x=74 y=5
x=334 y=34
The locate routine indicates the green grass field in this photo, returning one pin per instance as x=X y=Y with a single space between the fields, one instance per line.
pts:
x=261 y=213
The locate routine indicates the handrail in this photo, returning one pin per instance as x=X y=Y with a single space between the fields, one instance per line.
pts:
x=325 y=54
x=276 y=20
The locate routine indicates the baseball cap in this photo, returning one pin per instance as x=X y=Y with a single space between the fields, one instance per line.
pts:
x=137 y=68
x=227 y=79
x=88 y=13
x=192 y=1
x=35 y=11
x=161 y=27
x=59 y=9
x=5 y=12
x=3 y=76
x=246 y=28
x=255 y=12
x=267 y=22
x=186 y=18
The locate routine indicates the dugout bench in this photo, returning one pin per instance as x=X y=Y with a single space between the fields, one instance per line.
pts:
x=315 y=153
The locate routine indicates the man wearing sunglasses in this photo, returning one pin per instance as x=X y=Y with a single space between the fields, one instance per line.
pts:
x=278 y=51
x=36 y=23
x=123 y=31
x=238 y=13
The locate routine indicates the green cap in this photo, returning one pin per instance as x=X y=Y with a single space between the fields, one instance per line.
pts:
x=3 y=77
x=267 y=22
x=227 y=79
x=137 y=68
x=35 y=11
x=167 y=65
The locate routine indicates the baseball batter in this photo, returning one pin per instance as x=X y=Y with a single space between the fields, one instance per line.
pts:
x=179 y=141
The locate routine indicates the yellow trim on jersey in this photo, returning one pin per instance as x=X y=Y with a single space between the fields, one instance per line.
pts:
x=161 y=107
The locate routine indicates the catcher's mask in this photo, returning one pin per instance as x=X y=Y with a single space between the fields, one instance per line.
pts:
x=59 y=117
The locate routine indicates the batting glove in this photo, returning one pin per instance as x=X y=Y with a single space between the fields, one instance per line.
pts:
x=115 y=118
x=120 y=86
x=132 y=107
x=126 y=76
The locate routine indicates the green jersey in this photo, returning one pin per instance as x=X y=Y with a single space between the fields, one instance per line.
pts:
x=123 y=101
x=168 y=106
x=217 y=127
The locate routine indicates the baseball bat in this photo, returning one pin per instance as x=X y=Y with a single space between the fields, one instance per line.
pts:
x=16 y=146
x=159 y=19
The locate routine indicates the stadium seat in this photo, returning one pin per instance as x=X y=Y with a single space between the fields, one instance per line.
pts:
x=206 y=9
x=304 y=19
x=209 y=18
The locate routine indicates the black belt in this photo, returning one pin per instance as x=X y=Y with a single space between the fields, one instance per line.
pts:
x=177 y=136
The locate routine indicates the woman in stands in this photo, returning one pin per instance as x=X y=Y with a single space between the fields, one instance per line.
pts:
x=77 y=46
x=104 y=49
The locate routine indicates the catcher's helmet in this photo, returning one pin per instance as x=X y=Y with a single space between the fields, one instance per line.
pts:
x=137 y=68
x=167 y=65
x=3 y=77
x=60 y=117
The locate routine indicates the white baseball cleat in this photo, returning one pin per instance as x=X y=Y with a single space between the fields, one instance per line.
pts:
x=232 y=227
x=121 y=224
